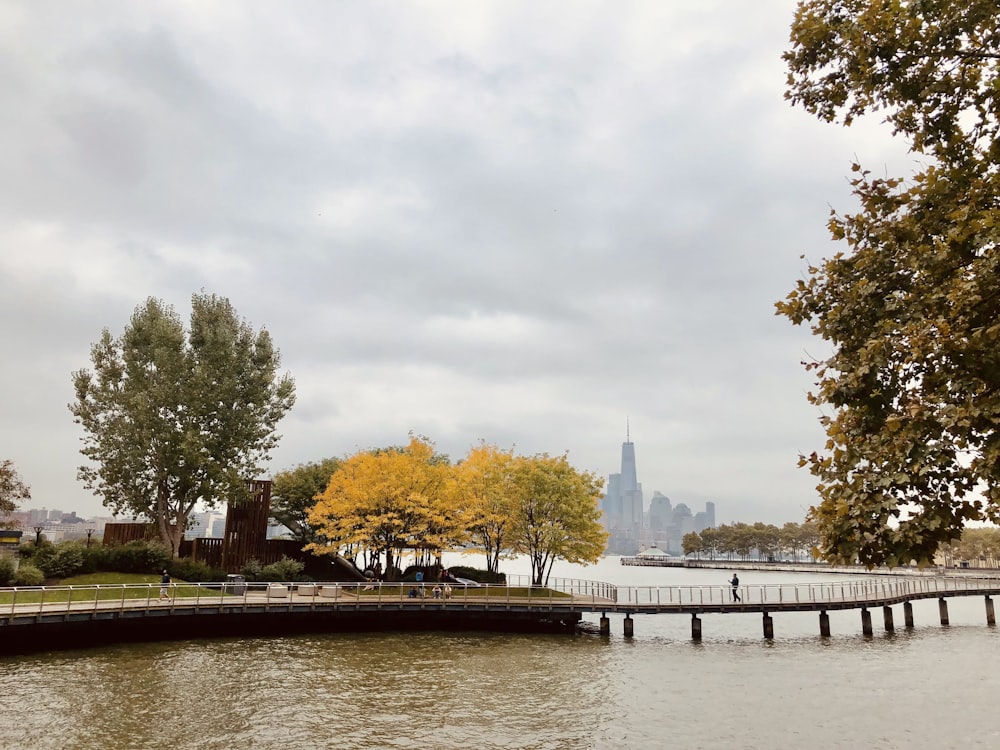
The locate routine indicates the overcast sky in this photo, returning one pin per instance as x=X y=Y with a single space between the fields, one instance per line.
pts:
x=519 y=222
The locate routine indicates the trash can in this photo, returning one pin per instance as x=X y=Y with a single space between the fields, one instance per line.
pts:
x=236 y=584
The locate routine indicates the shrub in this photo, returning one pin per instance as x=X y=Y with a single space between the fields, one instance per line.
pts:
x=284 y=569
x=59 y=560
x=95 y=558
x=138 y=557
x=188 y=569
x=30 y=550
x=252 y=569
x=28 y=575
x=7 y=570
x=477 y=574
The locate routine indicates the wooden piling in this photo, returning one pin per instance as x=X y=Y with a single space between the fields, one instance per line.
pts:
x=887 y=619
x=908 y=614
x=629 y=625
x=824 y=624
x=866 y=622
x=695 y=628
x=991 y=618
x=943 y=610
x=768 y=626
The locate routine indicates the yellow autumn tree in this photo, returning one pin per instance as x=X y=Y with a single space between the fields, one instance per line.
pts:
x=486 y=482
x=388 y=500
x=556 y=514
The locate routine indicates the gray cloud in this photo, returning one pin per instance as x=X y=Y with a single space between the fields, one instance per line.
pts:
x=521 y=223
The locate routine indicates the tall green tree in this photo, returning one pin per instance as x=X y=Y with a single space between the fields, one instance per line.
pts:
x=294 y=492
x=172 y=418
x=13 y=491
x=556 y=514
x=911 y=306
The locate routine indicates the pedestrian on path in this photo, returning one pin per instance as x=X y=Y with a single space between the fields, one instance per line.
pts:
x=735 y=583
x=165 y=587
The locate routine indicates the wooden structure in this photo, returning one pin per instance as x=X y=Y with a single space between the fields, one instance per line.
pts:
x=123 y=533
x=245 y=537
x=210 y=552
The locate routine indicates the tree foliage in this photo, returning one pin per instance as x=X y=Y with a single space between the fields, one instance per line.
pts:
x=172 y=418
x=556 y=514
x=389 y=500
x=486 y=481
x=13 y=491
x=911 y=308
x=294 y=492
x=979 y=546
x=758 y=541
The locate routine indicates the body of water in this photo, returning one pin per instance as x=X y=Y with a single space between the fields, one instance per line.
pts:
x=930 y=687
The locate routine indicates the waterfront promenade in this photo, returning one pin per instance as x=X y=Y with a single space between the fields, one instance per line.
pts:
x=78 y=615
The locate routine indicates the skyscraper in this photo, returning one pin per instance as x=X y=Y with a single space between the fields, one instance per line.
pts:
x=631 y=527
x=623 y=505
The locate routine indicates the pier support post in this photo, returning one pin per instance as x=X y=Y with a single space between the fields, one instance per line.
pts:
x=695 y=628
x=943 y=610
x=605 y=625
x=866 y=622
x=824 y=624
x=768 y=626
x=991 y=618
x=887 y=619
x=908 y=614
x=629 y=625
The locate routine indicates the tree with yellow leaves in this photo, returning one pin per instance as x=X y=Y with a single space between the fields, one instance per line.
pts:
x=556 y=514
x=389 y=500
x=486 y=481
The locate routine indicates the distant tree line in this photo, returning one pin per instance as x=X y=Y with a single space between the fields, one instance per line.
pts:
x=758 y=541
x=980 y=547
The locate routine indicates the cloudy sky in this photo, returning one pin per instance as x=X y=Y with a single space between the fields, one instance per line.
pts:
x=519 y=222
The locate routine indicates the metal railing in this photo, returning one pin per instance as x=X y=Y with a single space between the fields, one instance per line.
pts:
x=19 y=602
x=858 y=591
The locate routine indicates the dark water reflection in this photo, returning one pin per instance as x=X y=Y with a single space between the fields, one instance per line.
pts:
x=931 y=687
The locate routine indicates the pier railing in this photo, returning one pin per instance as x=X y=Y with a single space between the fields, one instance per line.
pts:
x=518 y=591
x=857 y=591
x=560 y=593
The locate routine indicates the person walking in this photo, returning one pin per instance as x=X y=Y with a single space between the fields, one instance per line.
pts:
x=735 y=583
x=165 y=587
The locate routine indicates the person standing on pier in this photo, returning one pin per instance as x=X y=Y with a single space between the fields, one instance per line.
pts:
x=735 y=583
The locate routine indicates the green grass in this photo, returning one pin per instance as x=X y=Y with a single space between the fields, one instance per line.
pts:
x=90 y=579
x=113 y=593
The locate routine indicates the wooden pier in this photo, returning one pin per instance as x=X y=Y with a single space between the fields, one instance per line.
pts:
x=68 y=617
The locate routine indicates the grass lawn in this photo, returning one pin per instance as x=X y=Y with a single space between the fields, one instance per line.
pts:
x=119 y=585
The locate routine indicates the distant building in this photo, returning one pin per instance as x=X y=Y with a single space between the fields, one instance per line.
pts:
x=632 y=527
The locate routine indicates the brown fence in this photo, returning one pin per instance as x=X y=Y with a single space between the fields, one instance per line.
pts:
x=210 y=552
x=123 y=533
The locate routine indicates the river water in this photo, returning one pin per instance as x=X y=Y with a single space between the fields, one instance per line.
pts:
x=930 y=687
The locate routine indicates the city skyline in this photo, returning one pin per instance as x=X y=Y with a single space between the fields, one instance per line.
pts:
x=633 y=526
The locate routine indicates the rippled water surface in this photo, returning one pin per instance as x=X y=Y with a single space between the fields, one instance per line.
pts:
x=930 y=687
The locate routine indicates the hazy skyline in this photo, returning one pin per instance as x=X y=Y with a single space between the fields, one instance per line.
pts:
x=523 y=223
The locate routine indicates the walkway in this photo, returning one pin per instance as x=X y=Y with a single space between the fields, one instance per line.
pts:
x=563 y=598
